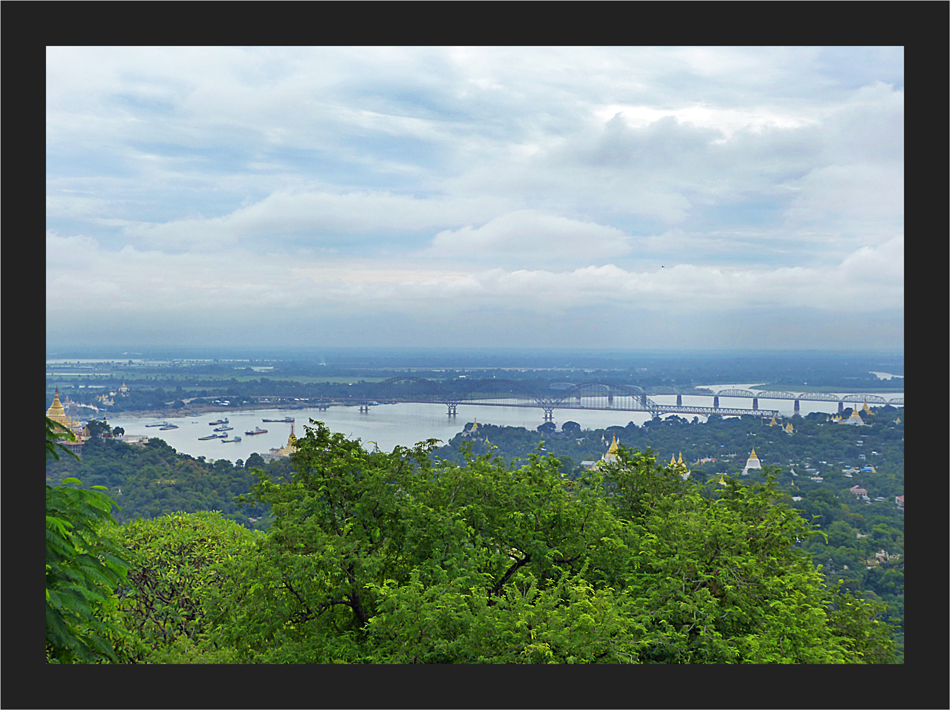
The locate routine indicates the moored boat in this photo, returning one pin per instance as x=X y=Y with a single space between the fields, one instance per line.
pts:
x=219 y=421
x=224 y=428
x=257 y=430
x=168 y=426
x=229 y=441
x=212 y=436
x=285 y=420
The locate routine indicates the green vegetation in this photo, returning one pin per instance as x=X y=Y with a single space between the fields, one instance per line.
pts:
x=863 y=547
x=154 y=479
x=403 y=557
x=83 y=570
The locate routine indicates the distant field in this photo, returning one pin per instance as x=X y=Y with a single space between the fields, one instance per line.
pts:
x=191 y=379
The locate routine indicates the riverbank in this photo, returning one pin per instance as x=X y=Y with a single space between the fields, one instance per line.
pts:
x=196 y=411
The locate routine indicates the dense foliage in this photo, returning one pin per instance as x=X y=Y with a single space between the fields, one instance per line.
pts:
x=153 y=480
x=405 y=557
x=376 y=557
x=83 y=570
x=173 y=568
x=863 y=545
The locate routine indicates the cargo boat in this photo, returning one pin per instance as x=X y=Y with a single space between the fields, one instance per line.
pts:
x=257 y=430
x=220 y=421
x=213 y=436
x=224 y=428
x=168 y=426
x=285 y=420
x=229 y=441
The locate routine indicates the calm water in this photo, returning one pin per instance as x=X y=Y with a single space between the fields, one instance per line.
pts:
x=390 y=425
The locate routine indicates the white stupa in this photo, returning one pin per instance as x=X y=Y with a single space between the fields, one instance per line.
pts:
x=752 y=463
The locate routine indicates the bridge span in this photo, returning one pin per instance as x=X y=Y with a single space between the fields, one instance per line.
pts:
x=518 y=393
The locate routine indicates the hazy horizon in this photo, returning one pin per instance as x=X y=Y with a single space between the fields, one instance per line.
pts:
x=682 y=199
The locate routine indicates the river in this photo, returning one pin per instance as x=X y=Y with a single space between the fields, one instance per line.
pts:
x=389 y=425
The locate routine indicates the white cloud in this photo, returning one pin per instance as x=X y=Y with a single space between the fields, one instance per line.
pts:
x=525 y=181
x=535 y=235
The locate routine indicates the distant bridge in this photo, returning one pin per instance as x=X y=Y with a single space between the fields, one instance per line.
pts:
x=593 y=395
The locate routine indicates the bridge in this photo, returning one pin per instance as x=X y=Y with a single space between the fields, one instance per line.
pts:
x=591 y=395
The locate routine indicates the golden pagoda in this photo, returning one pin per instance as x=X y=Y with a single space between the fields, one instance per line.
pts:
x=865 y=408
x=722 y=479
x=289 y=448
x=57 y=413
x=789 y=428
x=773 y=422
x=611 y=455
x=854 y=419
x=683 y=471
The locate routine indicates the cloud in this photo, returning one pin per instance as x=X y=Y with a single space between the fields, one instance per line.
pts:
x=258 y=186
x=534 y=235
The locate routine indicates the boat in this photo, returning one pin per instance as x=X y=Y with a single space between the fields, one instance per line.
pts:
x=219 y=421
x=257 y=430
x=213 y=436
x=229 y=441
x=224 y=428
x=159 y=424
x=285 y=420
x=168 y=426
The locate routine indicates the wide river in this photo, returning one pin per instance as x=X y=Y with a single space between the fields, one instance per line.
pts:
x=389 y=425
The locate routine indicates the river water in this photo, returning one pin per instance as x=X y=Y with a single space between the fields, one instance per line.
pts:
x=389 y=425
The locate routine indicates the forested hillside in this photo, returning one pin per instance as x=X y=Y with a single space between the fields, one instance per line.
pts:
x=153 y=479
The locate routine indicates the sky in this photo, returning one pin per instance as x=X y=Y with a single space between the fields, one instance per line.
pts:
x=566 y=197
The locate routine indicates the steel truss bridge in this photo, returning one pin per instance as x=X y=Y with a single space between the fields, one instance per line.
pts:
x=592 y=395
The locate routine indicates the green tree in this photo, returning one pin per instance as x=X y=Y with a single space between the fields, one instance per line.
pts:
x=174 y=568
x=376 y=557
x=82 y=571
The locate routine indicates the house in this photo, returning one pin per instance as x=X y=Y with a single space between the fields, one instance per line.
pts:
x=858 y=491
x=900 y=501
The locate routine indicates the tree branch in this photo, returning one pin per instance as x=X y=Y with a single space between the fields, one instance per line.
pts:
x=496 y=590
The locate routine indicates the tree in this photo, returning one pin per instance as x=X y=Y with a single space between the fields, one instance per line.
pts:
x=398 y=557
x=97 y=429
x=82 y=571
x=174 y=567
x=572 y=428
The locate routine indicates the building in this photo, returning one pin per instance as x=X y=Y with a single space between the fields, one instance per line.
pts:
x=680 y=467
x=752 y=464
x=284 y=451
x=611 y=455
x=57 y=413
x=854 y=420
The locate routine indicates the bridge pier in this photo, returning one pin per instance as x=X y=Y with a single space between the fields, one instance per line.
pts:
x=679 y=400
x=452 y=411
x=716 y=401
x=548 y=414
x=755 y=403
x=364 y=409
x=798 y=406
x=643 y=401
x=840 y=406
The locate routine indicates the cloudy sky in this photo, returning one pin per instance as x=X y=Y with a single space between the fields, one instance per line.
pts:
x=567 y=197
